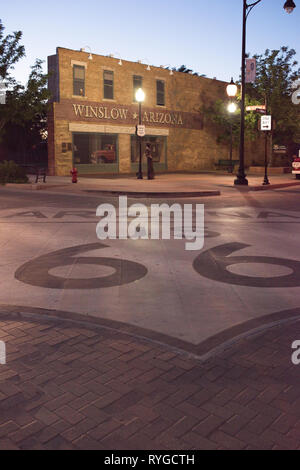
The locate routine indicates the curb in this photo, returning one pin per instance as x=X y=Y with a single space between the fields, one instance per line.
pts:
x=273 y=186
x=145 y=194
x=153 y=194
x=33 y=186
x=212 y=346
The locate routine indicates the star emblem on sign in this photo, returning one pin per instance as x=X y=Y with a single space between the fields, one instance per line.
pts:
x=135 y=116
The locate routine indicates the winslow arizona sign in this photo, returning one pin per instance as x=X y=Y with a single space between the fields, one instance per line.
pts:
x=103 y=112
x=95 y=112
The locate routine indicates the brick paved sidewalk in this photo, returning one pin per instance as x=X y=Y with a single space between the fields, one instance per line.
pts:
x=74 y=387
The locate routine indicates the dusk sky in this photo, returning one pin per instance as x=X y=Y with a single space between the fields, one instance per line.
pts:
x=203 y=35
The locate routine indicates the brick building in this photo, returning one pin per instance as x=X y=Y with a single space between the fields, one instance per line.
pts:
x=93 y=116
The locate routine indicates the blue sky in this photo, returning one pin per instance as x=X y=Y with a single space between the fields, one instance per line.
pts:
x=205 y=35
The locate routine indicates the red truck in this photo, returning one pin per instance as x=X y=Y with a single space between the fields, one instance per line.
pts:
x=107 y=155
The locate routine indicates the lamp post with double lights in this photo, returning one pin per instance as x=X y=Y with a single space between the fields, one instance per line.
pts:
x=289 y=7
x=231 y=91
x=140 y=98
x=266 y=179
x=232 y=107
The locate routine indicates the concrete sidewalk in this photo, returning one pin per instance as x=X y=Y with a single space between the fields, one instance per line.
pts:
x=74 y=386
x=169 y=185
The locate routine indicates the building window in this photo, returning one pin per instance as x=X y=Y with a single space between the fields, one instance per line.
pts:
x=94 y=149
x=158 y=148
x=108 y=79
x=160 y=93
x=78 y=80
x=137 y=83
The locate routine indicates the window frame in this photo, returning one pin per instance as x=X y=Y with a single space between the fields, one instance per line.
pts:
x=78 y=79
x=157 y=92
x=112 y=86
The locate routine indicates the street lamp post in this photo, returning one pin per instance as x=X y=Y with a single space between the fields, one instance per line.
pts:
x=231 y=93
x=140 y=97
x=266 y=179
x=289 y=6
x=232 y=107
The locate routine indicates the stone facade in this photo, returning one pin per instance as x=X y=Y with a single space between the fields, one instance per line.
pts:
x=189 y=145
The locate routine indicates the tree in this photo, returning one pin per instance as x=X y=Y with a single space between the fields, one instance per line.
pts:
x=11 y=51
x=28 y=104
x=218 y=114
x=276 y=73
x=184 y=69
x=25 y=111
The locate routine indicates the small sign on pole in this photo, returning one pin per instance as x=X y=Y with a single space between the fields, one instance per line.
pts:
x=250 y=70
x=141 y=130
x=266 y=123
x=256 y=107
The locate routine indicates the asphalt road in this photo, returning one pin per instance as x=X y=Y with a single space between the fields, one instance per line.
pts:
x=247 y=274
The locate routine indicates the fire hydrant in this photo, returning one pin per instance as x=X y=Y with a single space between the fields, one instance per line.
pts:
x=74 y=173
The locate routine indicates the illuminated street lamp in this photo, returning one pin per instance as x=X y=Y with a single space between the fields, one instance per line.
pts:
x=140 y=98
x=232 y=107
x=231 y=91
x=140 y=95
x=289 y=7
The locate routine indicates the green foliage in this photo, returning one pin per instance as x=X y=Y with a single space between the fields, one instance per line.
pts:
x=276 y=72
x=184 y=69
x=10 y=172
x=25 y=113
x=11 y=51
x=28 y=105
x=222 y=120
